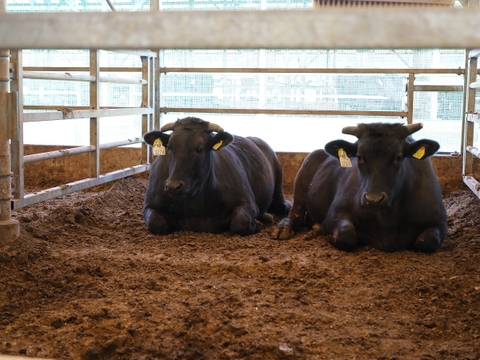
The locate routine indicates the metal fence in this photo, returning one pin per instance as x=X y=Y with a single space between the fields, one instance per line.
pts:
x=92 y=112
x=444 y=29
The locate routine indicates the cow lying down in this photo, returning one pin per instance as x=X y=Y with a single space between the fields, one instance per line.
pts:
x=208 y=180
x=379 y=191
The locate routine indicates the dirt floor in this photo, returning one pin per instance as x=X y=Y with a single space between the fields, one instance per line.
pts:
x=85 y=280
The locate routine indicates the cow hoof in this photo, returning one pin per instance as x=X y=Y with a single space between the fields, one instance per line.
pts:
x=282 y=234
x=284 y=230
x=156 y=228
x=428 y=241
x=312 y=234
x=156 y=223
x=345 y=237
x=267 y=218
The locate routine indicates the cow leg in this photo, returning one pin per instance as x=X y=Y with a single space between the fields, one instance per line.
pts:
x=344 y=236
x=428 y=241
x=156 y=223
x=279 y=205
x=244 y=222
x=287 y=226
x=284 y=229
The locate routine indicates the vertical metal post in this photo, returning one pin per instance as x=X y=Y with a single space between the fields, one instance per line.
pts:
x=411 y=80
x=155 y=5
x=9 y=228
x=95 y=122
x=147 y=102
x=468 y=126
x=16 y=88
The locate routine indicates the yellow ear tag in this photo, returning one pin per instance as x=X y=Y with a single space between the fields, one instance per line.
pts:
x=344 y=159
x=217 y=145
x=158 y=148
x=419 y=153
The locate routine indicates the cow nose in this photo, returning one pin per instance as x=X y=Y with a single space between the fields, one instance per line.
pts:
x=374 y=201
x=175 y=187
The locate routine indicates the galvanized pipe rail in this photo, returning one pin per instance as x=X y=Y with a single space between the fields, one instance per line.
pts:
x=410 y=89
x=42 y=75
x=9 y=228
x=471 y=117
x=94 y=112
x=166 y=70
x=78 y=150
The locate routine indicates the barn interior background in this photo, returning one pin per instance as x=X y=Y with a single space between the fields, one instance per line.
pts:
x=92 y=101
x=85 y=279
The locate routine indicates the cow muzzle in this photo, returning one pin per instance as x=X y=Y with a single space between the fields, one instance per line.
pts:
x=374 y=201
x=175 y=187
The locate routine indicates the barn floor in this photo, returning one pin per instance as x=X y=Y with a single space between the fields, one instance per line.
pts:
x=85 y=280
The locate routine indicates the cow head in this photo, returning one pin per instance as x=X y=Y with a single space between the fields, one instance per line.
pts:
x=189 y=149
x=380 y=152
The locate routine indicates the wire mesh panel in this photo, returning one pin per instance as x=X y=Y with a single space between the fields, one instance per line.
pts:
x=347 y=80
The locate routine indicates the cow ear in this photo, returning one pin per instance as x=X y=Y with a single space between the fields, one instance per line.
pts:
x=422 y=149
x=333 y=148
x=153 y=135
x=221 y=140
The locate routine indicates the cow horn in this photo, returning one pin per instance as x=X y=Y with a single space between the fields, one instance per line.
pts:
x=350 y=130
x=167 y=127
x=411 y=128
x=214 y=127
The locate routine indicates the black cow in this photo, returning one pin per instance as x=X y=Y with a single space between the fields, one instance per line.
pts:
x=387 y=196
x=211 y=181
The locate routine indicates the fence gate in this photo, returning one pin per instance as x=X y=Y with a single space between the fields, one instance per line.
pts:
x=470 y=123
x=94 y=112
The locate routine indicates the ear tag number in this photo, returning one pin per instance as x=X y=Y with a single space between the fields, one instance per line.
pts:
x=344 y=159
x=217 y=145
x=419 y=153
x=158 y=148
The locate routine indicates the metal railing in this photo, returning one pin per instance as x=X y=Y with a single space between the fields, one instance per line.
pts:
x=94 y=112
x=407 y=113
x=470 y=121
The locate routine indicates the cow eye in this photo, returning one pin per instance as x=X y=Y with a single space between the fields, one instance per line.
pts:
x=199 y=150
x=399 y=158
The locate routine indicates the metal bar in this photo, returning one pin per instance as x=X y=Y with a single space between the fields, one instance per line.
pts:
x=468 y=127
x=475 y=85
x=9 y=228
x=473 y=184
x=57 y=153
x=283 y=112
x=145 y=103
x=344 y=28
x=78 y=150
x=68 y=113
x=69 y=188
x=16 y=86
x=167 y=70
x=473 y=150
x=473 y=118
x=139 y=52
x=438 y=88
x=474 y=53
x=111 y=5
x=95 y=121
x=118 y=143
x=410 y=88
x=79 y=77
x=81 y=68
